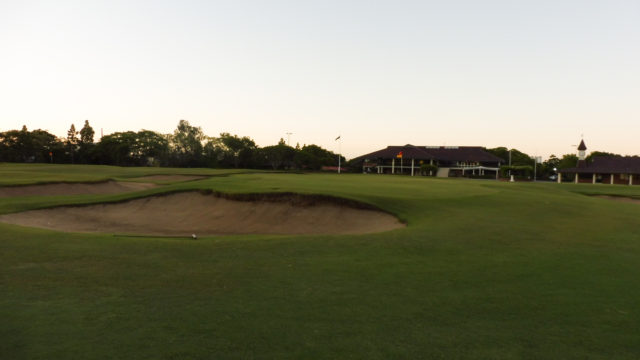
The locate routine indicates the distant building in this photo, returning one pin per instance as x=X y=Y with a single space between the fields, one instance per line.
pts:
x=624 y=170
x=450 y=160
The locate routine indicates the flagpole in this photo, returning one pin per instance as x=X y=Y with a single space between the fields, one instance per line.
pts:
x=339 y=151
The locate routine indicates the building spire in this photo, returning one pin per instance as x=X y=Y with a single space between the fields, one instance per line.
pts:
x=582 y=146
x=582 y=156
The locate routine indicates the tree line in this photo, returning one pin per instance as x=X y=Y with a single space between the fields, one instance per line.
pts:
x=187 y=146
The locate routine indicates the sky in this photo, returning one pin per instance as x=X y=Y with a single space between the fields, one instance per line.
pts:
x=531 y=75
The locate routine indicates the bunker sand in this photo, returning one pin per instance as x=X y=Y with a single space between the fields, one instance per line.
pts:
x=108 y=187
x=170 y=177
x=619 y=198
x=182 y=214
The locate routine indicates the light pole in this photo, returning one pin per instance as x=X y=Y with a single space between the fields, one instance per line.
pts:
x=536 y=160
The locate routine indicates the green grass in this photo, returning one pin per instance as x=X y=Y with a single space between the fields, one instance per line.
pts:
x=25 y=174
x=485 y=269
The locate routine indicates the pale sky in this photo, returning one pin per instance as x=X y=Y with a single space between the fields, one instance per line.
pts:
x=531 y=75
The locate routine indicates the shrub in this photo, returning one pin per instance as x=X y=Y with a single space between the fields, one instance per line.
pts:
x=428 y=169
x=522 y=172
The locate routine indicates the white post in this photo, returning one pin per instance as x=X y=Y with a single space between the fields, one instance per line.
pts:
x=594 y=179
x=630 y=179
x=611 y=181
x=393 y=166
x=576 y=178
x=412 y=167
x=559 y=178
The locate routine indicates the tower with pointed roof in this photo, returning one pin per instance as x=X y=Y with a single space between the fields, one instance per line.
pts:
x=582 y=148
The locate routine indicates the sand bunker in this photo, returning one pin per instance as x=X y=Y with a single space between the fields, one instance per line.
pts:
x=170 y=177
x=619 y=198
x=182 y=214
x=108 y=187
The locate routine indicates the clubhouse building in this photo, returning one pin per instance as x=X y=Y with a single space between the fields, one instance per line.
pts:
x=623 y=170
x=449 y=160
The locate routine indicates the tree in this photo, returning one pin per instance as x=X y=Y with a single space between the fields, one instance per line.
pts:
x=593 y=154
x=518 y=158
x=213 y=152
x=238 y=152
x=568 y=161
x=279 y=156
x=187 y=144
x=548 y=167
x=115 y=149
x=72 y=141
x=85 y=143
x=553 y=162
x=150 y=148
x=133 y=149
x=314 y=157
x=29 y=146
x=72 y=135
x=12 y=146
x=86 y=133
x=46 y=146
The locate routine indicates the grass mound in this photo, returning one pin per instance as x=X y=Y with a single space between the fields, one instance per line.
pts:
x=69 y=188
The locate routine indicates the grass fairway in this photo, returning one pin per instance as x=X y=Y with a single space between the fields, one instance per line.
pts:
x=484 y=269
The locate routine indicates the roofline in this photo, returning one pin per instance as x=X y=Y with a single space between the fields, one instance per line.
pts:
x=427 y=155
x=598 y=171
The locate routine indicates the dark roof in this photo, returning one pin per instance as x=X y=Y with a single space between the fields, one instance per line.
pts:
x=442 y=153
x=462 y=153
x=582 y=146
x=408 y=152
x=609 y=165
